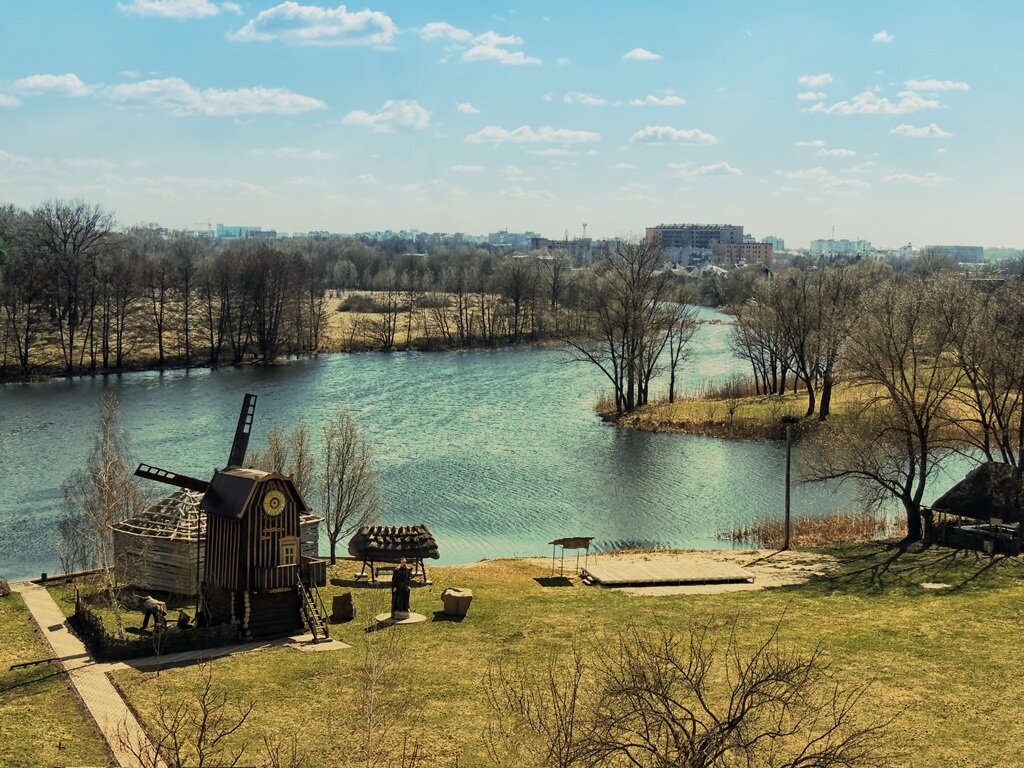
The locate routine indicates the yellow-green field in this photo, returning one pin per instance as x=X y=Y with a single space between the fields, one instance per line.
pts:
x=945 y=663
x=41 y=720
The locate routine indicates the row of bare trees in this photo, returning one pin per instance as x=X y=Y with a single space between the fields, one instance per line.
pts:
x=636 y=322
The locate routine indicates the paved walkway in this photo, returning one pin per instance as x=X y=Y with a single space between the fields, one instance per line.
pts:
x=116 y=722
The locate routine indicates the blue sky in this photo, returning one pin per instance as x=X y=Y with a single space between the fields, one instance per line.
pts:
x=893 y=122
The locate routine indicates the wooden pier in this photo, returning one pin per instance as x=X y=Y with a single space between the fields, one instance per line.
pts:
x=616 y=572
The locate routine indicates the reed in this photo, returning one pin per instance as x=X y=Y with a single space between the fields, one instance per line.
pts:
x=842 y=528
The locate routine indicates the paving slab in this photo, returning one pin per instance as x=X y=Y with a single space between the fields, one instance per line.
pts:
x=115 y=720
x=615 y=572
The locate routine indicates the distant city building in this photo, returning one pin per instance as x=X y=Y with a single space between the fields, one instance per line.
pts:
x=237 y=233
x=692 y=243
x=580 y=251
x=777 y=243
x=835 y=247
x=508 y=239
x=748 y=238
x=961 y=254
x=731 y=254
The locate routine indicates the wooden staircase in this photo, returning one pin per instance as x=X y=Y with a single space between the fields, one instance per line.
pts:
x=314 y=615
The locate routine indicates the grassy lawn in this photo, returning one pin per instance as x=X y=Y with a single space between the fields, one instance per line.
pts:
x=946 y=662
x=41 y=721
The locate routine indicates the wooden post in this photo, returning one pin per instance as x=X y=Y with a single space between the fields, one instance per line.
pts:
x=789 y=453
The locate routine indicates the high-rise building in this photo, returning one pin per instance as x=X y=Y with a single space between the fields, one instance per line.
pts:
x=694 y=235
x=777 y=243
x=961 y=254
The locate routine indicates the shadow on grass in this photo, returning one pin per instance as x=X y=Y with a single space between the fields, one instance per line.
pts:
x=880 y=567
x=554 y=581
x=366 y=583
x=442 y=616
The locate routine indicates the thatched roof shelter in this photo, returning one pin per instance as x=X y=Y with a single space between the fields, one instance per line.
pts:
x=161 y=549
x=991 y=490
x=393 y=542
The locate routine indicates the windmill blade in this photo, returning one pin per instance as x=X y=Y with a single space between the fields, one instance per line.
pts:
x=171 y=478
x=241 y=441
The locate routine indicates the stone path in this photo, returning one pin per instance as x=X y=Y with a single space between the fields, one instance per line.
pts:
x=116 y=722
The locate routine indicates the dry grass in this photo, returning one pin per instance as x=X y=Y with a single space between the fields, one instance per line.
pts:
x=817 y=531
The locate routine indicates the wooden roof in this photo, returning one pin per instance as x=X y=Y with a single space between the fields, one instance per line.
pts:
x=989 y=490
x=372 y=542
x=231 y=491
x=176 y=517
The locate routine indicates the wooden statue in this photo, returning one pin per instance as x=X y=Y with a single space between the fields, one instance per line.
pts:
x=400 y=579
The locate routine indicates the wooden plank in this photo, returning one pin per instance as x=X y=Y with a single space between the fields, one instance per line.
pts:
x=622 y=572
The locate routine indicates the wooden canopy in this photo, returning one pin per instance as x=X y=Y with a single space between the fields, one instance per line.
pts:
x=991 y=490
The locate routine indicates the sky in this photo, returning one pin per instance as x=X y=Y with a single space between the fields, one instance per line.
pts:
x=890 y=122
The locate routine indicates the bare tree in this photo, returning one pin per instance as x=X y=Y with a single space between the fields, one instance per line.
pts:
x=899 y=354
x=349 y=495
x=657 y=698
x=194 y=729
x=290 y=454
x=100 y=495
x=681 y=323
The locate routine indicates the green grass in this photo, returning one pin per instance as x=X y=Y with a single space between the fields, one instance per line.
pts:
x=41 y=720
x=946 y=663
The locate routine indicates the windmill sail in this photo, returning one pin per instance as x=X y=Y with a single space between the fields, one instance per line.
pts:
x=241 y=441
x=171 y=478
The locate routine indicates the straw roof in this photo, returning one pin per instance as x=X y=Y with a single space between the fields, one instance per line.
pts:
x=989 y=490
x=380 y=542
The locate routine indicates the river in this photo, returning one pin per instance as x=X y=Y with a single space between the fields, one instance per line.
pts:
x=496 y=451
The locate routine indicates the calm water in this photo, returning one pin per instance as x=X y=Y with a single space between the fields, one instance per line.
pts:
x=497 y=452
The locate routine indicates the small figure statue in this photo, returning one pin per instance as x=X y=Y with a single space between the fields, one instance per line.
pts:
x=400 y=579
x=157 y=609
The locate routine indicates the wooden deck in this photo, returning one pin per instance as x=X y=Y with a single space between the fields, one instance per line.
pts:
x=613 y=572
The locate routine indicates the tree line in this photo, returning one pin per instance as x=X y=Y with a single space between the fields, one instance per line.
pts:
x=932 y=362
x=78 y=295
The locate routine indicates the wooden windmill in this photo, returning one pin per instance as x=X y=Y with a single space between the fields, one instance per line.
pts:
x=255 y=575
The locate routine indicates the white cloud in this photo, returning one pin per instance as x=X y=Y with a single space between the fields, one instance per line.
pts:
x=512 y=170
x=930 y=131
x=836 y=152
x=231 y=8
x=180 y=98
x=815 y=81
x=621 y=167
x=520 y=193
x=870 y=103
x=548 y=96
x=715 y=169
x=937 y=85
x=297 y=24
x=587 y=99
x=195 y=185
x=171 y=9
x=461 y=168
x=466 y=108
x=366 y=178
x=552 y=152
x=68 y=84
x=524 y=134
x=813 y=143
x=930 y=179
x=488 y=46
x=881 y=36
x=8 y=101
x=664 y=134
x=641 y=54
x=667 y=99
x=295 y=153
x=812 y=95
x=825 y=178
x=562 y=61
x=394 y=114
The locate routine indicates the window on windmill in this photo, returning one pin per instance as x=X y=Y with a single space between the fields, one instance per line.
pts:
x=289 y=550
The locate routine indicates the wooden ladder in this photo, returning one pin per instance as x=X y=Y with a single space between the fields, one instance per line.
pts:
x=313 y=613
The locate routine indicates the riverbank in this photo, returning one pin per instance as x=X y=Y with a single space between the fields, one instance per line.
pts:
x=875 y=615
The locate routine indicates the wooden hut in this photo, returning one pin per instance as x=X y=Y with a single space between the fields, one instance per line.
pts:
x=160 y=549
x=374 y=544
x=986 y=506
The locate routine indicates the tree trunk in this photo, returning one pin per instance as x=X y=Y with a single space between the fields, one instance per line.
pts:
x=334 y=548
x=824 y=409
x=913 y=521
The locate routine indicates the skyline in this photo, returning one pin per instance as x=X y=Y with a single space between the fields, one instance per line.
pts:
x=894 y=125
